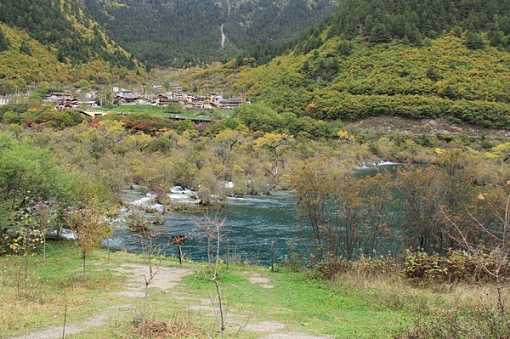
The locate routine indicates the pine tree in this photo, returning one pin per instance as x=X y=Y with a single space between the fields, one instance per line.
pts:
x=25 y=48
x=496 y=38
x=379 y=34
x=4 y=43
x=474 y=41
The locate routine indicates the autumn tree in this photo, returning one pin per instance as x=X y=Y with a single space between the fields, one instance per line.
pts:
x=312 y=184
x=349 y=214
x=421 y=193
x=276 y=144
x=89 y=227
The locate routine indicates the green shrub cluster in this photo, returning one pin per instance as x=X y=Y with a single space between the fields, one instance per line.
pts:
x=17 y=243
x=29 y=115
x=259 y=117
x=363 y=267
x=456 y=266
x=334 y=105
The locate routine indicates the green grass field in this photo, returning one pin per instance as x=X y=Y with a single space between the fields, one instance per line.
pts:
x=301 y=303
x=165 y=112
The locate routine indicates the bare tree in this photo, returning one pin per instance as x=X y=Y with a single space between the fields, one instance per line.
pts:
x=213 y=227
x=141 y=226
x=496 y=234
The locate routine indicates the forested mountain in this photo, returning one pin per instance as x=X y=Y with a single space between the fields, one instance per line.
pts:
x=55 y=40
x=382 y=20
x=410 y=58
x=182 y=32
x=64 y=25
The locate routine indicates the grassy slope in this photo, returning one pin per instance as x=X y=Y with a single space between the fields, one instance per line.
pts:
x=306 y=304
x=303 y=304
x=41 y=65
x=50 y=286
x=18 y=69
x=383 y=73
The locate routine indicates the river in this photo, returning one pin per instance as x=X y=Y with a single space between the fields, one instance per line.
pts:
x=250 y=225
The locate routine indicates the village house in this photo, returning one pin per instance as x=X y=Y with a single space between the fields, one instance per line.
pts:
x=220 y=102
x=176 y=91
x=165 y=100
x=195 y=101
x=88 y=99
x=58 y=97
x=64 y=104
x=125 y=97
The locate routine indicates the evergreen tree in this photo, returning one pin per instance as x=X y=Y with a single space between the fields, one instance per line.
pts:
x=496 y=38
x=474 y=41
x=25 y=48
x=4 y=43
x=344 y=48
x=379 y=34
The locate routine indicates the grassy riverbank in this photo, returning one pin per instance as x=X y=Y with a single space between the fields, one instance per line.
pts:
x=257 y=303
x=302 y=305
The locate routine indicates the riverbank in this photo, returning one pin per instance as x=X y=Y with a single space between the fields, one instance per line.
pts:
x=110 y=296
x=109 y=300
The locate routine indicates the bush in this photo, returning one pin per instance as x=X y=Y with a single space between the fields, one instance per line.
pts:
x=479 y=322
x=262 y=118
x=457 y=266
x=474 y=41
x=363 y=267
x=16 y=242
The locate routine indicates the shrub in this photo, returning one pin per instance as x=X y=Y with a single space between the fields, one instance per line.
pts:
x=363 y=267
x=333 y=105
x=457 y=266
x=4 y=43
x=479 y=322
x=17 y=242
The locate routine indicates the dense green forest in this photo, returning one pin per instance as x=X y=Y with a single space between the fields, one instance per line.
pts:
x=64 y=25
x=184 y=32
x=381 y=21
x=414 y=59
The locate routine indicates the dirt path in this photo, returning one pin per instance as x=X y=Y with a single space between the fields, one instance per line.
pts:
x=165 y=279
x=261 y=280
x=242 y=321
x=74 y=328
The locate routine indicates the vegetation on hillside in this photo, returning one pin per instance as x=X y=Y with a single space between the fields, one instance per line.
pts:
x=64 y=25
x=353 y=80
x=182 y=33
x=54 y=41
x=381 y=21
x=406 y=223
x=462 y=176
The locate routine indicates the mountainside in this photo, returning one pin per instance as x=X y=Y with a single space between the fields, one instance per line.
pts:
x=182 y=32
x=54 y=40
x=418 y=59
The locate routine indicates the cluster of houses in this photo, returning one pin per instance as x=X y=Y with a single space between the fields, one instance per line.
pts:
x=177 y=96
x=66 y=100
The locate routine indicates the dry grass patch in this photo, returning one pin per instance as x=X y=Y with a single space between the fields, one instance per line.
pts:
x=180 y=326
